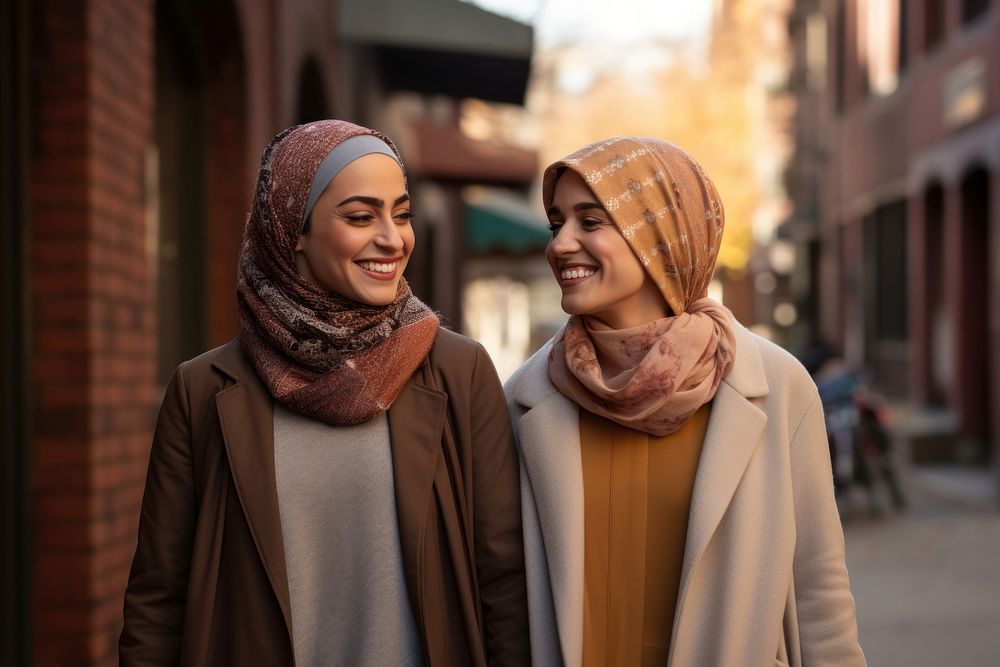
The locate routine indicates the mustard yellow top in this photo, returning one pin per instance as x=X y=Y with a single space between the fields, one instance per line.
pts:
x=637 y=497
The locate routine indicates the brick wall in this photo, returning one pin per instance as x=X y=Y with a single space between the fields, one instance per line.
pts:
x=93 y=301
x=94 y=318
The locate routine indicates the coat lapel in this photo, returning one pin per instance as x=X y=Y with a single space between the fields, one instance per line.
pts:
x=550 y=445
x=416 y=421
x=247 y=418
x=555 y=470
x=734 y=431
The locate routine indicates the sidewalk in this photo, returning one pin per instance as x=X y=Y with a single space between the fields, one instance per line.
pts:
x=927 y=582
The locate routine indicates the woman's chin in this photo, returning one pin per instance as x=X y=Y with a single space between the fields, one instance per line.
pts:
x=375 y=303
x=572 y=306
x=379 y=297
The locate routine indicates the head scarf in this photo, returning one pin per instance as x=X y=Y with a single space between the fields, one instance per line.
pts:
x=653 y=377
x=320 y=354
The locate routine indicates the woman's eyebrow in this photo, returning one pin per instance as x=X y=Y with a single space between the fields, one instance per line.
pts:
x=582 y=206
x=375 y=201
x=371 y=201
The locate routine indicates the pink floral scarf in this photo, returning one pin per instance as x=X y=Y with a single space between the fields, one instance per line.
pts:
x=651 y=378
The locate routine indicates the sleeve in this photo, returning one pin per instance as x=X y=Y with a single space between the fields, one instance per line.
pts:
x=157 y=585
x=497 y=520
x=828 y=632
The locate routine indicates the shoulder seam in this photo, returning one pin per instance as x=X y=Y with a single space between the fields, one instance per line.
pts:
x=802 y=418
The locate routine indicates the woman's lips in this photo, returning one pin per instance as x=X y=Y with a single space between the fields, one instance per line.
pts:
x=379 y=270
x=574 y=275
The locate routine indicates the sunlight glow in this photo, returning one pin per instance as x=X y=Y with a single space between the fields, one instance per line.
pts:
x=607 y=25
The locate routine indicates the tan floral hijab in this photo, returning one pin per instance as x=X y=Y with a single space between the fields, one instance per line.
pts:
x=671 y=215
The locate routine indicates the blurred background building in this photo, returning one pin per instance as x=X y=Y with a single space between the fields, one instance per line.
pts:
x=856 y=145
x=895 y=182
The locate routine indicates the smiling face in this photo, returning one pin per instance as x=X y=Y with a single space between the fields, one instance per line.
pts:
x=600 y=276
x=359 y=236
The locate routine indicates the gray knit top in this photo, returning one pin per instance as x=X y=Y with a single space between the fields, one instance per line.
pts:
x=341 y=537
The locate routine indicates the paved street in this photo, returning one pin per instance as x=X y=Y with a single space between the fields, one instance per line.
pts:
x=927 y=582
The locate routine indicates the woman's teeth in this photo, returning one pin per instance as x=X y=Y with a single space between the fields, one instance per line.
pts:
x=570 y=274
x=378 y=267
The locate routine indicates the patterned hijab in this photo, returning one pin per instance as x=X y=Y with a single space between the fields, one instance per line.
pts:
x=670 y=213
x=319 y=353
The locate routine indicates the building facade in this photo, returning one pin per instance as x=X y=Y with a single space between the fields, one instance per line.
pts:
x=897 y=183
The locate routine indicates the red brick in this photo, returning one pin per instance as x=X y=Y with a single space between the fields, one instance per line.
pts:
x=59 y=194
x=109 y=475
x=61 y=224
x=66 y=624
x=58 y=139
x=60 y=535
x=58 y=252
x=111 y=570
x=62 y=451
x=52 y=592
x=60 y=648
x=62 y=506
x=57 y=396
x=61 y=311
x=50 y=478
x=52 y=369
x=61 y=339
x=60 y=566
x=68 y=280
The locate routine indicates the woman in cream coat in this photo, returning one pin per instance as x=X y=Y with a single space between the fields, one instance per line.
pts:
x=760 y=576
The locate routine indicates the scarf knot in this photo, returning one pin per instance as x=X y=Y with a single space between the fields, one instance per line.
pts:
x=650 y=378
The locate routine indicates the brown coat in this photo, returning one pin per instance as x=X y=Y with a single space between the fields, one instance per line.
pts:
x=208 y=584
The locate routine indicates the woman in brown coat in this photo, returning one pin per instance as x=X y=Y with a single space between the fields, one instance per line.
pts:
x=338 y=485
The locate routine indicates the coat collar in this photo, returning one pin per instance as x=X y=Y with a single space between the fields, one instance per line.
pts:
x=416 y=421
x=747 y=376
x=733 y=434
x=551 y=452
x=416 y=424
x=246 y=415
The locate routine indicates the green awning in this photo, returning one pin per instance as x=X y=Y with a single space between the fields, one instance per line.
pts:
x=496 y=227
x=442 y=47
x=450 y=26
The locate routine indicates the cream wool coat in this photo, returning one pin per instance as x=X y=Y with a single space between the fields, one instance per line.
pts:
x=763 y=580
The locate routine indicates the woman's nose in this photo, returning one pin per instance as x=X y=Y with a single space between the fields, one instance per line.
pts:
x=388 y=235
x=565 y=241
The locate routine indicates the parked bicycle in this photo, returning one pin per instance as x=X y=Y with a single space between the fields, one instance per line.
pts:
x=860 y=443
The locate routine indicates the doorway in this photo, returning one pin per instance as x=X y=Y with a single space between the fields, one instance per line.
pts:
x=937 y=325
x=974 y=336
x=179 y=191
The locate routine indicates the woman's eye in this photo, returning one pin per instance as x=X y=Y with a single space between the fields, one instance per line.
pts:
x=554 y=227
x=590 y=223
x=360 y=217
x=405 y=216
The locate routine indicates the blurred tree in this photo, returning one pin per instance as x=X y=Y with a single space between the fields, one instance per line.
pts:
x=712 y=97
